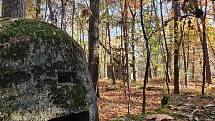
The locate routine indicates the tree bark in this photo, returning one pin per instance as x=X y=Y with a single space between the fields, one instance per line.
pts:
x=52 y=12
x=63 y=22
x=111 y=54
x=206 y=63
x=205 y=49
x=185 y=64
x=147 y=59
x=126 y=43
x=13 y=8
x=167 y=79
x=38 y=9
x=176 y=47
x=73 y=16
x=193 y=64
x=133 y=44
x=93 y=44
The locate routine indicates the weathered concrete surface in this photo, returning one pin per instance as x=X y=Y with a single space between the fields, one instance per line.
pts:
x=43 y=73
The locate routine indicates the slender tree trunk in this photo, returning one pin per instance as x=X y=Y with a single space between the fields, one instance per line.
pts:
x=46 y=9
x=147 y=59
x=52 y=12
x=185 y=64
x=133 y=44
x=63 y=23
x=38 y=9
x=122 y=53
x=105 y=55
x=176 y=47
x=206 y=63
x=188 y=61
x=13 y=8
x=193 y=64
x=73 y=14
x=205 y=48
x=111 y=55
x=104 y=38
x=167 y=79
x=126 y=43
x=150 y=71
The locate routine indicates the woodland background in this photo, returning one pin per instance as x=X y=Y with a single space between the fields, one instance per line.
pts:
x=135 y=45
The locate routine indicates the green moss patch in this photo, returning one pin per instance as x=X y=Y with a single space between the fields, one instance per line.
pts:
x=32 y=28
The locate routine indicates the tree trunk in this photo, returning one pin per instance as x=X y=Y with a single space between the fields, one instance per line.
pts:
x=206 y=63
x=176 y=47
x=93 y=45
x=126 y=43
x=147 y=59
x=122 y=53
x=63 y=23
x=133 y=43
x=167 y=79
x=46 y=9
x=13 y=8
x=205 y=53
x=188 y=60
x=193 y=64
x=105 y=55
x=38 y=9
x=73 y=14
x=206 y=74
x=185 y=64
x=52 y=12
x=111 y=54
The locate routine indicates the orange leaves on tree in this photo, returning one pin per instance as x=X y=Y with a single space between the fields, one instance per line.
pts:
x=134 y=4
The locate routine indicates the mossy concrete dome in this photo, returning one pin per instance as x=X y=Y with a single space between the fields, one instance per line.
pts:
x=43 y=73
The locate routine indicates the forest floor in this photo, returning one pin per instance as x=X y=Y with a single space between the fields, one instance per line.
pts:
x=188 y=106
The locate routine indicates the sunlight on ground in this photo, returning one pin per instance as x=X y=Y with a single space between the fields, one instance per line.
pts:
x=113 y=103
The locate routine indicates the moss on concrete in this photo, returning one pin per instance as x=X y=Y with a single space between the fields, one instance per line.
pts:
x=18 y=33
x=70 y=97
x=33 y=29
x=32 y=53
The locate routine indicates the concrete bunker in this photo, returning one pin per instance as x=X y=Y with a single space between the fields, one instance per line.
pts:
x=43 y=74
